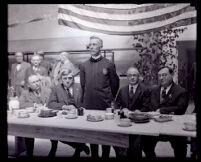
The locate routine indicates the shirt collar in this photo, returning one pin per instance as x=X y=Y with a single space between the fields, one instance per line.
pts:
x=167 y=88
x=134 y=87
x=96 y=58
x=70 y=89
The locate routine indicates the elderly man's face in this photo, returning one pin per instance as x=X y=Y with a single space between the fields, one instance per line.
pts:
x=19 y=57
x=133 y=76
x=34 y=83
x=36 y=60
x=67 y=80
x=94 y=47
x=164 y=77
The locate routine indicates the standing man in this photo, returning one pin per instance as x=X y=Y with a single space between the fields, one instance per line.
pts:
x=36 y=68
x=133 y=97
x=167 y=98
x=17 y=75
x=100 y=83
x=66 y=96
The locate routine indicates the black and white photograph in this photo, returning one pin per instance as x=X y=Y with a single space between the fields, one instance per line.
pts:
x=102 y=81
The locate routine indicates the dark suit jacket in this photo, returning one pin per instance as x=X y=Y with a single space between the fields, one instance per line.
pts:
x=17 y=77
x=99 y=82
x=59 y=97
x=27 y=98
x=176 y=100
x=140 y=100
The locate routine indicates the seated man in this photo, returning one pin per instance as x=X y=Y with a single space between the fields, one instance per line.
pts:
x=35 y=96
x=167 y=98
x=133 y=97
x=65 y=96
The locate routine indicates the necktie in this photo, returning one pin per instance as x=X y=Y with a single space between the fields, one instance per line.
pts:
x=68 y=92
x=131 y=92
x=164 y=93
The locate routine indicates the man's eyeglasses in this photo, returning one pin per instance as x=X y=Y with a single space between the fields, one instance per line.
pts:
x=132 y=75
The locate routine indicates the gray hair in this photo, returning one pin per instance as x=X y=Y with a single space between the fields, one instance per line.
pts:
x=100 y=40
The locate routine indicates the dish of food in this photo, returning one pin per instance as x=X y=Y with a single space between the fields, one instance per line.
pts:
x=139 y=118
x=46 y=113
x=23 y=115
x=163 y=118
x=94 y=118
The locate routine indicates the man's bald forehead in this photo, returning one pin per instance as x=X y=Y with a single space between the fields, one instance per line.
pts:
x=18 y=54
x=35 y=57
x=132 y=69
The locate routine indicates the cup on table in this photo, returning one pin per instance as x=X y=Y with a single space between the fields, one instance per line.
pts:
x=109 y=110
x=109 y=115
x=124 y=122
x=80 y=111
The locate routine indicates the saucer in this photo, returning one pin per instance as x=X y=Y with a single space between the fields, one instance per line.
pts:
x=70 y=117
x=46 y=116
x=187 y=129
x=124 y=125
x=141 y=121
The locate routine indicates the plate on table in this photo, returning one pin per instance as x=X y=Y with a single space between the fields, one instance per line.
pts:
x=141 y=121
x=163 y=118
x=47 y=115
x=189 y=129
x=123 y=125
x=71 y=116
x=94 y=118
x=139 y=118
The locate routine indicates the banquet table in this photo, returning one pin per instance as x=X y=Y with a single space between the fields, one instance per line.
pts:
x=106 y=132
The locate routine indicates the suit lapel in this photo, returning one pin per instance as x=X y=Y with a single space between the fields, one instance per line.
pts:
x=75 y=93
x=156 y=96
x=126 y=95
x=64 y=94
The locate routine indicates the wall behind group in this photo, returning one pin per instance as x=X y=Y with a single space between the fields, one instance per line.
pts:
x=48 y=36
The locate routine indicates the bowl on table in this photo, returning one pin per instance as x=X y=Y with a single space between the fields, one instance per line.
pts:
x=138 y=117
x=124 y=122
x=45 y=113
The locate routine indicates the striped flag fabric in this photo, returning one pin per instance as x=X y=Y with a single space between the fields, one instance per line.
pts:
x=126 y=19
